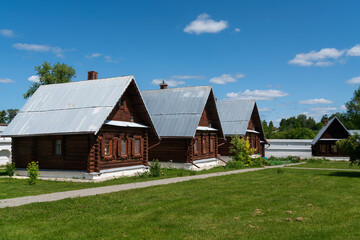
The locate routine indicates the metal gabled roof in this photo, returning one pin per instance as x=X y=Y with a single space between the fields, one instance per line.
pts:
x=76 y=107
x=235 y=115
x=323 y=130
x=176 y=112
x=352 y=132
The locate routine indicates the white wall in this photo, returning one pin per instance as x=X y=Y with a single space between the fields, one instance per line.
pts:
x=289 y=147
x=5 y=150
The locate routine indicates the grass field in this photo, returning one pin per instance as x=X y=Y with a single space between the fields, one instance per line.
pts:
x=329 y=164
x=254 y=205
x=11 y=188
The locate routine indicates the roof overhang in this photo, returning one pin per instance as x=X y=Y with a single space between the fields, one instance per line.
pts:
x=125 y=124
x=252 y=131
x=201 y=128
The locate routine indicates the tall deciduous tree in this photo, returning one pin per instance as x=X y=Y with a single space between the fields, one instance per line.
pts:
x=353 y=110
x=351 y=146
x=58 y=73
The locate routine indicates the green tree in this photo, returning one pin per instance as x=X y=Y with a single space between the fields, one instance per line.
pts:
x=3 y=116
x=11 y=113
x=58 y=73
x=351 y=146
x=241 y=151
x=353 y=110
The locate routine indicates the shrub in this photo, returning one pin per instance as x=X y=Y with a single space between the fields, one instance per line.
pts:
x=240 y=151
x=351 y=147
x=234 y=165
x=10 y=169
x=260 y=162
x=155 y=168
x=33 y=172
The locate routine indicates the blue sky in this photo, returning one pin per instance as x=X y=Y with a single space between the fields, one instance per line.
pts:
x=292 y=56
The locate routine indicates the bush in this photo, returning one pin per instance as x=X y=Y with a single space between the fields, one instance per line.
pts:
x=33 y=172
x=234 y=165
x=240 y=151
x=316 y=160
x=155 y=169
x=10 y=169
x=260 y=162
x=351 y=147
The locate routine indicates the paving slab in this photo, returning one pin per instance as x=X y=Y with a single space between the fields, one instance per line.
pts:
x=14 y=202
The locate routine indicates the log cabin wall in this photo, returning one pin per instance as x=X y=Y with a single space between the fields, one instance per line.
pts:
x=119 y=147
x=174 y=149
x=326 y=149
x=73 y=155
x=204 y=146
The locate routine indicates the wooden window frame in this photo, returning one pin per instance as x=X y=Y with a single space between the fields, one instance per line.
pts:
x=62 y=146
x=333 y=146
x=119 y=148
x=134 y=138
x=212 y=144
x=203 y=144
x=112 y=146
x=321 y=148
x=196 y=146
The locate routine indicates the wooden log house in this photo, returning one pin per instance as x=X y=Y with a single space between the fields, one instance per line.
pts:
x=324 y=144
x=241 y=118
x=96 y=128
x=188 y=125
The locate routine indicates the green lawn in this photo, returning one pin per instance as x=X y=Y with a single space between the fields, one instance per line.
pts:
x=252 y=205
x=11 y=188
x=329 y=164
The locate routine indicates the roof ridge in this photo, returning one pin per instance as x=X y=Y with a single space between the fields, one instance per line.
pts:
x=81 y=81
x=176 y=88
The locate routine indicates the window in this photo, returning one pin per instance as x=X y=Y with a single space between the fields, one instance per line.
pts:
x=323 y=148
x=212 y=143
x=137 y=146
x=58 y=147
x=334 y=149
x=203 y=144
x=107 y=147
x=123 y=146
x=196 y=146
x=121 y=102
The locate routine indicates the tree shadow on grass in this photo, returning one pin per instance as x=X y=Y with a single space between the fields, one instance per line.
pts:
x=344 y=174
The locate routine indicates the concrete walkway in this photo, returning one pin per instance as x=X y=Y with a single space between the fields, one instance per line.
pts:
x=13 y=202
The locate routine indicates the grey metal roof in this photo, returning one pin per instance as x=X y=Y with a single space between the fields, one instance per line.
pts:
x=176 y=112
x=351 y=132
x=2 y=128
x=235 y=115
x=76 y=107
x=323 y=130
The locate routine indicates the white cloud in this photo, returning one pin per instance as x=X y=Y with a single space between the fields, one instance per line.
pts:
x=265 y=109
x=6 y=80
x=266 y=95
x=176 y=80
x=7 y=33
x=343 y=107
x=94 y=55
x=320 y=111
x=34 y=78
x=354 y=80
x=354 y=51
x=204 y=24
x=226 y=78
x=40 y=48
x=237 y=29
x=316 y=101
x=110 y=59
x=317 y=58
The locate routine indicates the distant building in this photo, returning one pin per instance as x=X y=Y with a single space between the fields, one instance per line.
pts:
x=324 y=144
x=5 y=147
x=241 y=118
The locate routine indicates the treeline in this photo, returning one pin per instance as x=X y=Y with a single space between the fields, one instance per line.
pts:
x=300 y=127
x=7 y=115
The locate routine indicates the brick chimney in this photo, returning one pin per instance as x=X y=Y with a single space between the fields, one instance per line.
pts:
x=326 y=120
x=92 y=75
x=163 y=85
